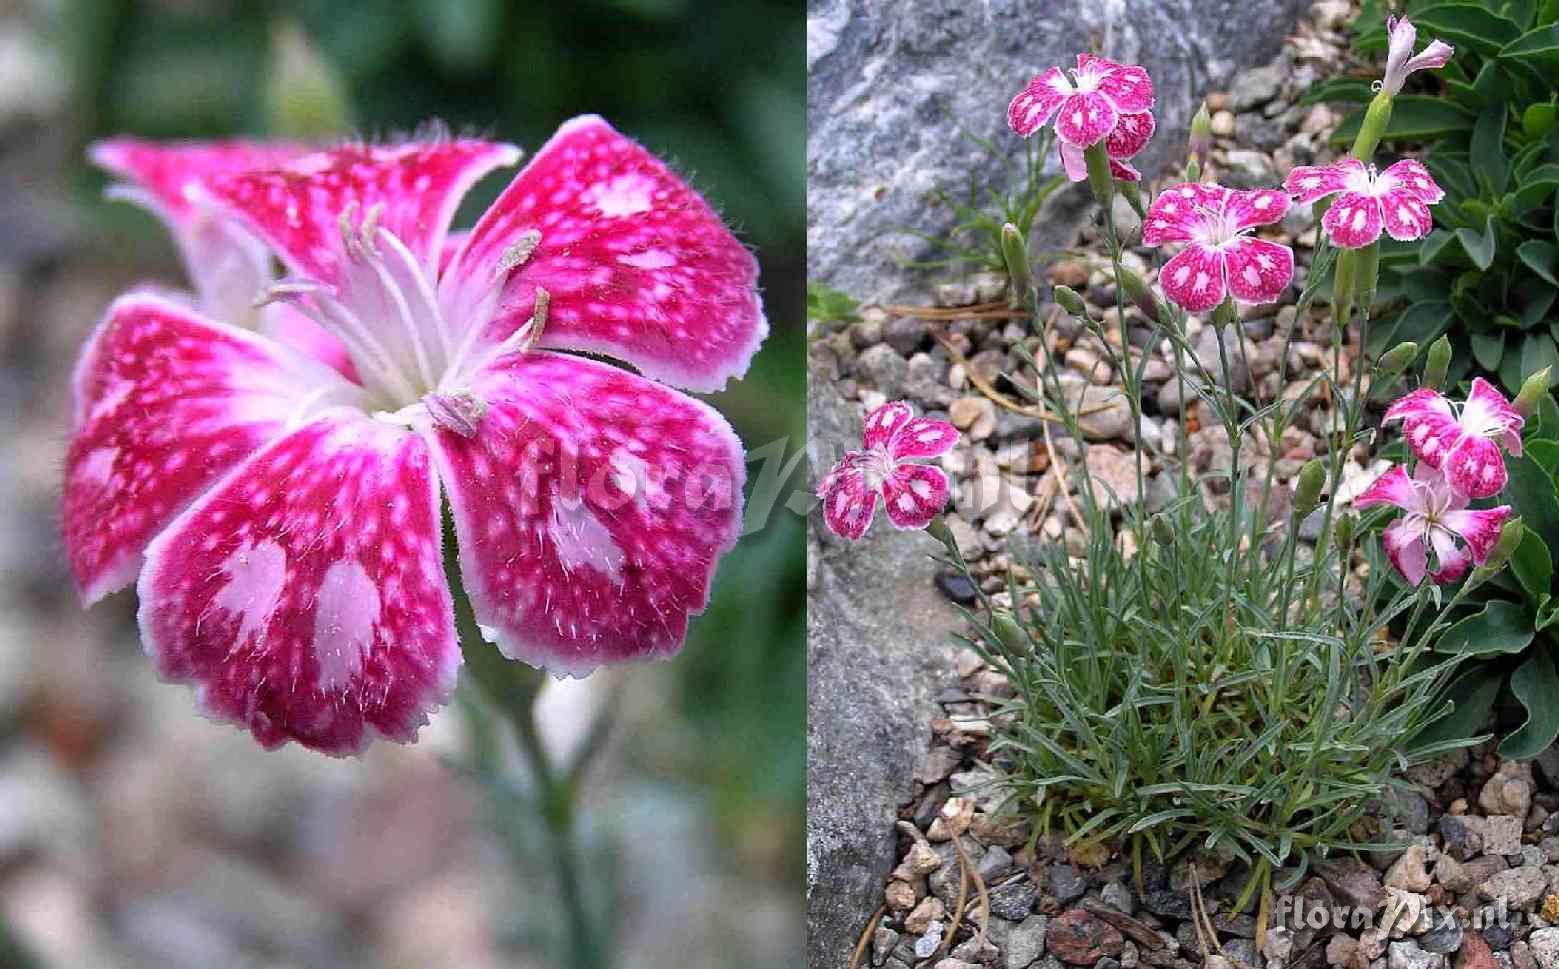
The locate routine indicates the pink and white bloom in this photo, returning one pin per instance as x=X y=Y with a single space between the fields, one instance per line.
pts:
x=1464 y=443
x=282 y=519
x=1400 y=61
x=1088 y=105
x=1435 y=516
x=1397 y=199
x=1129 y=136
x=1221 y=256
x=913 y=493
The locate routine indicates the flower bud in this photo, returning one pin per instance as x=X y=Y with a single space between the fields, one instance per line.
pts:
x=1015 y=252
x=1532 y=391
x=1201 y=141
x=1307 y=493
x=1439 y=361
x=1162 y=531
x=1006 y=628
x=1342 y=534
x=1395 y=360
x=1143 y=296
x=1070 y=301
x=304 y=96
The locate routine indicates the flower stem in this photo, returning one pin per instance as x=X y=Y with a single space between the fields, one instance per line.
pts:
x=512 y=688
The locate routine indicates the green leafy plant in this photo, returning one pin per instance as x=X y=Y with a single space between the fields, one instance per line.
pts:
x=828 y=305
x=1489 y=272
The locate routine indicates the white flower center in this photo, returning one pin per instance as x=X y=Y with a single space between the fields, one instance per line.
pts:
x=878 y=467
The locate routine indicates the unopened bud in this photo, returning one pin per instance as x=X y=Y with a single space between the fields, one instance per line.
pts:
x=1070 y=301
x=304 y=96
x=1006 y=628
x=1532 y=390
x=1163 y=532
x=1395 y=360
x=1015 y=253
x=1438 y=362
x=1307 y=494
x=1201 y=141
x=1342 y=534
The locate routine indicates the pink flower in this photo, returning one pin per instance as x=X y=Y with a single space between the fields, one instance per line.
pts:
x=1464 y=443
x=1400 y=61
x=1129 y=136
x=1436 y=516
x=1088 y=106
x=1397 y=198
x=913 y=493
x=1222 y=257
x=285 y=520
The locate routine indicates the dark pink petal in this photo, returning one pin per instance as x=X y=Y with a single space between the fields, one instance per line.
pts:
x=884 y=422
x=1451 y=559
x=848 y=501
x=171 y=173
x=1123 y=171
x=914 y=494
x=1488 y=414
x=923 y=437
x=1180 y=210
x=1193 y=280
x=1474 y=466
x=1127 y=85
x=1405 y=550
x=1428 y=424
x=1406 y=216
x=1034 y=105
x=414 y=189
x=1410 y=174
x=1307 y=183
x=304 y=597
x=1085 y=118
x=1354 y=220
x=1478 y=528
x=592 y=506
x=1258 y=270
x=1076 y=165
x=453 y=243
x=1130 y=134
x=637 y=265
x=1262 y=206
x=284 y=323
x=166 y=402
x=1394 y=487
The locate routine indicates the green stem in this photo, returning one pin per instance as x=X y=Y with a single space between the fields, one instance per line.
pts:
x=512 y=689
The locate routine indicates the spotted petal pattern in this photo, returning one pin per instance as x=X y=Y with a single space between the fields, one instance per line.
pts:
x=914 y=494
x=1193 y=279
x=1354 y=220
x=1410 y=174
x=1131 y=134
x=1085 y=118
x=884 y=423
x=1258 y=270
x=923 y=437
x=591 y=508
x=1262 y=206
x=1033 y=106
x=166 y=402
x=1178 y=210
x=1127 y=85
x=1406 y=216
x=1310 y=183
x=1428 y=424
x=304 y=597
x=849 y=503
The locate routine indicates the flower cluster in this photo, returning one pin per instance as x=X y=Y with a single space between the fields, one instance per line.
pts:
x=1101 y=101
x=1459 y=459
x=913 y=493
x=274 y=480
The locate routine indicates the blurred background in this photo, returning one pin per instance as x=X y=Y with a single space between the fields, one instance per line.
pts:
x=132 y=832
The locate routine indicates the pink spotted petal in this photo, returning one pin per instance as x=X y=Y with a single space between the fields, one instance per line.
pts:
x=1130 y=134
x=414 y=188
x=1405 y=550
x=848 y=501
x=1193 y=280
x=1308 y=183
x=1180 y=210
x=1478 y=528
x=172 y=172
x=1394 y=487
x=1406 y=215
x=1034 y=105
x=166 y=402
x=1452 y=560
x=1127 y=85
x=1262 y=206
x=1488 y=413
x=1428 y=424
x=1123 y=171
x=1258 y=270
x=914 y=494
x=592 y=506
x=1475 y=467
x=1410 y=174
x=883 y=423
x=1354 y=220
x=304 y=597
x=1086 y=118
x=923 y=437
x=637 y=265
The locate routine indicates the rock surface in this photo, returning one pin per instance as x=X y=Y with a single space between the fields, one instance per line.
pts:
x=871 y=672
x=889 y=83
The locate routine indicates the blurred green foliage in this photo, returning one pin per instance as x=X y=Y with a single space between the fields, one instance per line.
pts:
x=717 y=89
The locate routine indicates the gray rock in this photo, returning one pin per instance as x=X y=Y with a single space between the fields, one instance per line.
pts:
x=1502 y=835
x=882 y=367
x=1462 y=835
x=997 y=862
x=883 y=941
x=1408 y=955
x=1545 y=947
x=886 y=82
x=1025 y=943
x=1257 y=86
x=1067 y=884
x=1519 y=887
x=1117 y=894
x=1247 y=168
x=904 y=333
x=871 y=676
x=1353 y=882
x=1014 y=900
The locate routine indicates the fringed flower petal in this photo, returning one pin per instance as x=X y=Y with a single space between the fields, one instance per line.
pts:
x=914 y=494
x=1310 y=183
x=1258 y=270
x=884 y=423
x=923 y=437
x=1354 y=220
x=1034 y=105
x=1193 y=279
